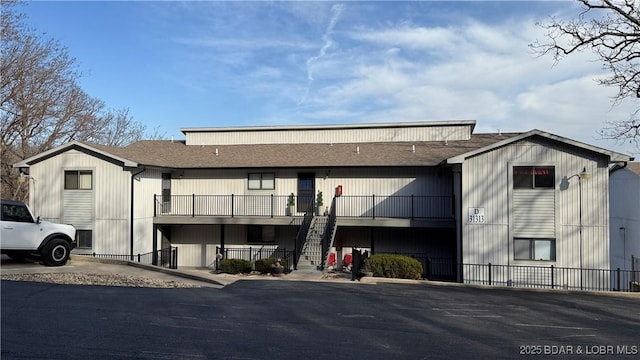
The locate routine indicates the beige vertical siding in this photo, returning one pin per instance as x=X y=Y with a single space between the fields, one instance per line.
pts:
x=320 y=136
x=146 y=184
x=486 y=183
x=109 y=214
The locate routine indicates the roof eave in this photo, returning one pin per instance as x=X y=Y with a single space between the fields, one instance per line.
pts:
x=70 y=145
x=612 y=155
x=471 y=123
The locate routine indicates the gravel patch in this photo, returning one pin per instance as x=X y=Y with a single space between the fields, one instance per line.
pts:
x=96 y=279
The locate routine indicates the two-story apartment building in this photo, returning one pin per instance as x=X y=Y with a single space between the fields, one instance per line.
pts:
x=430 y=188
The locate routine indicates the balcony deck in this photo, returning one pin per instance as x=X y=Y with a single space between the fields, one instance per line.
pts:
x=369 y=210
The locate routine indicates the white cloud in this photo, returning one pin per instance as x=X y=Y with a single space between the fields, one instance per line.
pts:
x=482 y=72
x=346 y=71
x=410 y=37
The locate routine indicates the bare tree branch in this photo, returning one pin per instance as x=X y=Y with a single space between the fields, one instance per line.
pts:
x=41 y=104
x=611 y=29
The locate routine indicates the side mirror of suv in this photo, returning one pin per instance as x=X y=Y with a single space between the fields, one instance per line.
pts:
x=38 y=220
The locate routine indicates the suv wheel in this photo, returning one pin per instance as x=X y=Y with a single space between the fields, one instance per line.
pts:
x=56 y=253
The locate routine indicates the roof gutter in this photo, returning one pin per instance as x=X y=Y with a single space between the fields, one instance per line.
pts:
x=618 y=166
x=133 y=176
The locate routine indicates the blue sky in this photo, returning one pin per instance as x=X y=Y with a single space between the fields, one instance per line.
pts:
x=178 y=64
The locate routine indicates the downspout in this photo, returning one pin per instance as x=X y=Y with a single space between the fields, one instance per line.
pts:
x=133 y=175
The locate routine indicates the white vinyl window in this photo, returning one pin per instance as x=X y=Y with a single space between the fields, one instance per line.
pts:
x=534 y=249
x=533 y=177
x=262 y=181
x=85 y=239
x=78 y=180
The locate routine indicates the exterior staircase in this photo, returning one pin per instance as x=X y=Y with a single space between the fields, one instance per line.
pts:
x=311 y=255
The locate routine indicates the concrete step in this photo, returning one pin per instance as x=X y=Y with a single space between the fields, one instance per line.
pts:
x=306 y=265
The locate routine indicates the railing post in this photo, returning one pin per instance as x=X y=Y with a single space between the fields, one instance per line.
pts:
x=428 y=268
x=552 y=279
x=155 y=205
x=295 y=254
x=232 y=205
x=193 y=205
x=175 y=259
x=453 y=207
x=373 y=206
x=138 y=257
x=271 y=205
x=489 y=273
x=412 y=207
x=618 y=279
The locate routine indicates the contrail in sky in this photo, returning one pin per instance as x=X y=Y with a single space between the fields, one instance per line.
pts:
x=326 y=37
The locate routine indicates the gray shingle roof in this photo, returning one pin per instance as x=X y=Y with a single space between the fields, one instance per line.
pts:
x=175 y=154
x=634 y=166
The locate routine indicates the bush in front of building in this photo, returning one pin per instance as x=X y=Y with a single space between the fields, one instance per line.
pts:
x=393 y=266
x=266 y=266
x=235 y=266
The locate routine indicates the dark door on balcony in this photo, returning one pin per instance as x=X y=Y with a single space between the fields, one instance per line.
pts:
x=306 y=191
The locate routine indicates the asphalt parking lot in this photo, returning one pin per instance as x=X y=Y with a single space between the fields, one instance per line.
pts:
x=311 y=319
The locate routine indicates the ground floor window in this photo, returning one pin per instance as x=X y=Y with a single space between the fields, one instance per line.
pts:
x=534 y=249
x=84 y=239
x=261 y=234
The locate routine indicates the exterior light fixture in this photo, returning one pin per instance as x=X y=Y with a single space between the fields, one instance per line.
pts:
x=584 y=174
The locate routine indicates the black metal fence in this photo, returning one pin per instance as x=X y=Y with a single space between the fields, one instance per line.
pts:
x=167 y=257
x=255 y=253
x=551 y=277
x=222 y=205
x=408 y=207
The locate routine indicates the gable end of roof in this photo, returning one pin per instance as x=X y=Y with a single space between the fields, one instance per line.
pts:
x=76 y=145
x=612 y=156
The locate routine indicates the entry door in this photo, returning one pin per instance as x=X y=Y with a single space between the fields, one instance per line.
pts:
x=306 y=191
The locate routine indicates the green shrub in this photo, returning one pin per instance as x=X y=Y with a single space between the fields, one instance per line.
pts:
x=393 y=266
x=264 y=265
x=235 y=266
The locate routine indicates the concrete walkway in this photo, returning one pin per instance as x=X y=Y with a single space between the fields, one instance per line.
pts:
x=189 y=275
x=209 y=278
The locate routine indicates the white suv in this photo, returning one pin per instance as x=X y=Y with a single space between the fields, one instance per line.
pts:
x=22 y=235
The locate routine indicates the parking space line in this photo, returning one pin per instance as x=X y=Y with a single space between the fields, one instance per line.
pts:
x=473 y=316
x=555 y=327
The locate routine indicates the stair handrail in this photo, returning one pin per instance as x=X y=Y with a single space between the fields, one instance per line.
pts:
x=301 y=236
x=329 y=233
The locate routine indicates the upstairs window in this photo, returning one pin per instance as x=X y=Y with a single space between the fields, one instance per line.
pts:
x=262 y=181
x=78 y=180
x=534 y=177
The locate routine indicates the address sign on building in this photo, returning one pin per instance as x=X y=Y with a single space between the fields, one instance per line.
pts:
x=476 y=215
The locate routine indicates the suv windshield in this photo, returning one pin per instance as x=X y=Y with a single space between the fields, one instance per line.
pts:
x=14 y=212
